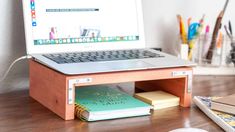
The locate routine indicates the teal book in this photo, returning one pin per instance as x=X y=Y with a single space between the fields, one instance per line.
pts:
x=95 y=103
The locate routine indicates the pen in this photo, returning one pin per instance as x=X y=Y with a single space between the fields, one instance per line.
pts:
x=192 y=31
x=183 y=32
x=230 y=28
x=206 y=43
x=227 y=32
x=189 y=21
x=215 y=33
x=219 y=43
x=182 y=29
x=202 y=19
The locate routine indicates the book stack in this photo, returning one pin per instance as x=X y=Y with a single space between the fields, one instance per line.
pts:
x=224 y=104
x=158 y=99
x=95 y=103
x=224 y=120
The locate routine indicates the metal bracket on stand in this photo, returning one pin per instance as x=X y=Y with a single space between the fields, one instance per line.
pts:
x=189 y=75
x=71 y=86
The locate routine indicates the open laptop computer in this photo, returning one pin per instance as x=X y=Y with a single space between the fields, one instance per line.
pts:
x=90 y=36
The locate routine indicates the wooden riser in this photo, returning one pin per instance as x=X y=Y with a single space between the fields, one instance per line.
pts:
x=50 y=88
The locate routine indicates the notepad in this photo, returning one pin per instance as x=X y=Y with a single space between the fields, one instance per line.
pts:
x=158 y=99
x=95 y=103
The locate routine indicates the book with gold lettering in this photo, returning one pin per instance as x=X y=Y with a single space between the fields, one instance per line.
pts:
x=95 y=103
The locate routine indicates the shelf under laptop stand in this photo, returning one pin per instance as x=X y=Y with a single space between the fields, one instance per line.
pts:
x=56 y=91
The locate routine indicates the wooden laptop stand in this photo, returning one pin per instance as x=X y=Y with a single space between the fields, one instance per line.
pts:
x=56 y=91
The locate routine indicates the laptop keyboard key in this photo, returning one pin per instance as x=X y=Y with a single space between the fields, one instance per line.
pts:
x=101 y=56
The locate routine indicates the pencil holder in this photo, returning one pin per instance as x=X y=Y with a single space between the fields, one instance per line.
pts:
x=208 y=55
x=186 y=51
x=229 y=50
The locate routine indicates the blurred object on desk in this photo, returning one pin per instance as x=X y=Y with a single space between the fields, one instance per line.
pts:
x=231 y=55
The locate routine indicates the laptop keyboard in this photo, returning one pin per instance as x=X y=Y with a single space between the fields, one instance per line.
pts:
x=63 y=58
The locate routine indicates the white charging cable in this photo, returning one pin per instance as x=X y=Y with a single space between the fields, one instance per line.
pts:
x=12 y=64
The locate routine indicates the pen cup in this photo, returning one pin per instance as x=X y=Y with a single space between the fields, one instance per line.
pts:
x=186 y=51
x=207 y=56
x=229 y=50
x=232 y=55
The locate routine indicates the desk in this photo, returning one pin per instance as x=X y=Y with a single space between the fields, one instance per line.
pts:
x=19 y=112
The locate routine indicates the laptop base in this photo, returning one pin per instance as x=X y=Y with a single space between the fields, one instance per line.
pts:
x=56 y=91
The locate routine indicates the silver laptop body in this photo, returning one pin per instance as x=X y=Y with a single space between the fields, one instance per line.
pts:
x=72 y=26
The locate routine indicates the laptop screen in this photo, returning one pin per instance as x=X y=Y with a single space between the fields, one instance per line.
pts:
x=82 y=22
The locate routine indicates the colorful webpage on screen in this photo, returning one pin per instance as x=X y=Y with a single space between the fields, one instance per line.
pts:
x=83 y=21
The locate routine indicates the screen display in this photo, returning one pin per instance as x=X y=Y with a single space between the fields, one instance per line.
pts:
x=56 y=22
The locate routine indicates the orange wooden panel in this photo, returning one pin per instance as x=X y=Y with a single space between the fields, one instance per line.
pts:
x=129 y=76
x=49 y=88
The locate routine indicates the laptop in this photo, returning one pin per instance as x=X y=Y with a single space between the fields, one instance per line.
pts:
x=90 y=36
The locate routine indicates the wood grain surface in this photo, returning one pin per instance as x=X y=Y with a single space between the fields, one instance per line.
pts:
x=19 y=112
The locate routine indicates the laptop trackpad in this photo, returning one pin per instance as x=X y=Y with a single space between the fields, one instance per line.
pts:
x=129 y=65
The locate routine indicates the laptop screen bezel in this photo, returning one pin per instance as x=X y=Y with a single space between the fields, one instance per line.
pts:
x=43 y=49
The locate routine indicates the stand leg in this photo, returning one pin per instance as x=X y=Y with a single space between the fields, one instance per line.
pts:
x=50 y=89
